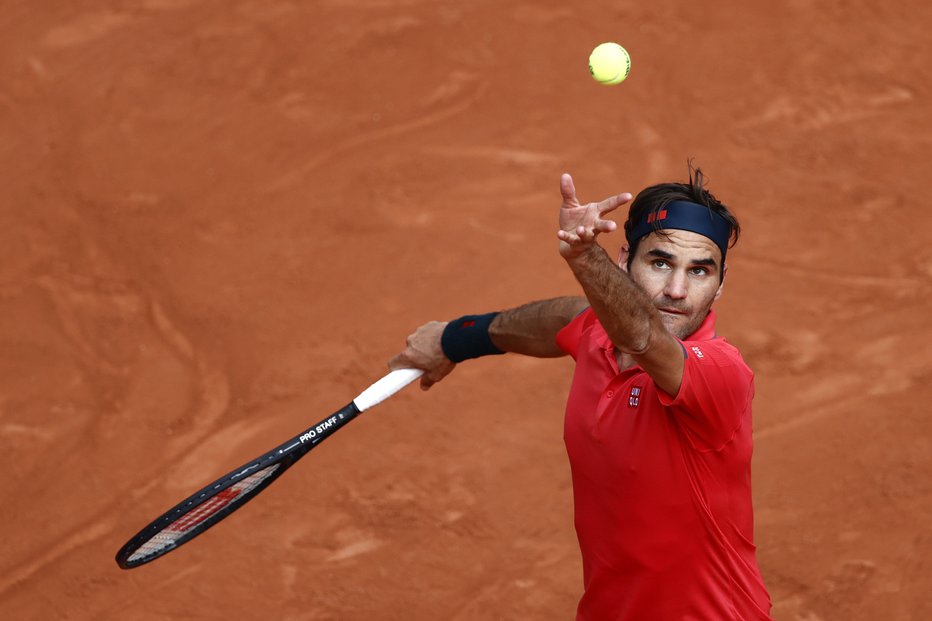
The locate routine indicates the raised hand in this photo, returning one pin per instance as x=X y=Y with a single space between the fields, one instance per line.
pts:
x=581 y=224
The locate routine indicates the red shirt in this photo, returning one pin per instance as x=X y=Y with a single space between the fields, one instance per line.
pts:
x=662 y=484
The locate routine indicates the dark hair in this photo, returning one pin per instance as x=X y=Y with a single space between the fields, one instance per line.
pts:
x=656 y=197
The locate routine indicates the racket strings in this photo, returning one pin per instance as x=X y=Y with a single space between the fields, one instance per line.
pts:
x=169 y=536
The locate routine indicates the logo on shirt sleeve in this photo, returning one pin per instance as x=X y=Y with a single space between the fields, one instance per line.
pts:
x=635 y=397
x=698 y=352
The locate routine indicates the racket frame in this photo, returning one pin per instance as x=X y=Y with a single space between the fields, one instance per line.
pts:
x=284 y=456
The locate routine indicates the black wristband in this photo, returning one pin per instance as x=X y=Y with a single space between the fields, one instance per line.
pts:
x=468 y=337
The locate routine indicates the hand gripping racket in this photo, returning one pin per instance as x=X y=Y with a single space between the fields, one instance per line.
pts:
x=195 y=514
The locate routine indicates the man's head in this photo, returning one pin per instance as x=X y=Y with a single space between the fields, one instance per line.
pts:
x=678 y=235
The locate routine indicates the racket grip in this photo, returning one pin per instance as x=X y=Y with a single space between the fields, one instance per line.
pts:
x=386 y=387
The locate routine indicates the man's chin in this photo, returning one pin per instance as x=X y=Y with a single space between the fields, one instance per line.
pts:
x=673 y=323
x=679 y=326
x=682 y=332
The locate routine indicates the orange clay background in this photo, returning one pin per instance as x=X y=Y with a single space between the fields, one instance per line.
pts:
x=220 y=218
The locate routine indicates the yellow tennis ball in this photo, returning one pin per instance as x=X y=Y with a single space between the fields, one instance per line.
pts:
x=609 y=63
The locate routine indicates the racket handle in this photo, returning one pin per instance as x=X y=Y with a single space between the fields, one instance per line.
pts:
x=386 y=387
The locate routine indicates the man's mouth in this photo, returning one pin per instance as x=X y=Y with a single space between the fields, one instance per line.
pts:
x=671 y=311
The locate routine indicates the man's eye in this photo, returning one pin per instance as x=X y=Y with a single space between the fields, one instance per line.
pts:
x=700 y=271
x=660 y=263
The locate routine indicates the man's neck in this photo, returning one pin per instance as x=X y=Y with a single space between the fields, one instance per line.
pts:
x=625 y=361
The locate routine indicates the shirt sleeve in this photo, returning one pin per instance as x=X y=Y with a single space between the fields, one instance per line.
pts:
x=569 y=336
x=715 y=396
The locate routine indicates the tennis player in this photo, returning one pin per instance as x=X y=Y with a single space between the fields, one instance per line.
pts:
x=658 y=420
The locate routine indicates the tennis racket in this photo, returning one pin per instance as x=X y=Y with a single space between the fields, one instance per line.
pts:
x=205 y=508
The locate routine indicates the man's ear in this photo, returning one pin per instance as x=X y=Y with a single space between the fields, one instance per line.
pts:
x=721 y=286
x=623 y=253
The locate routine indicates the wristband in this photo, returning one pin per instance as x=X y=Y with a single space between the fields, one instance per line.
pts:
x=468 y=337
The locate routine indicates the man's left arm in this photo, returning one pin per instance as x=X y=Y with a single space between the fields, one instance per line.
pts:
x=629 y=317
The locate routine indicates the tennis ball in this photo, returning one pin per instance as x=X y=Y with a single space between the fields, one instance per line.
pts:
x=609 y=63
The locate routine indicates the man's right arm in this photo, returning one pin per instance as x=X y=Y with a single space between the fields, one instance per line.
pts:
x=530 y=329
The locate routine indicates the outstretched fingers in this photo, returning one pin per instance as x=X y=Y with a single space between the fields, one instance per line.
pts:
x=586 y=234
x=581 y=224
x=613 y=202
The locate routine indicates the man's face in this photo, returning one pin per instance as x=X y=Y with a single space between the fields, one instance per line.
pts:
x=681 y=273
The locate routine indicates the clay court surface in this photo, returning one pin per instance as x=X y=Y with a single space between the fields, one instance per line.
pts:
x=220 y=219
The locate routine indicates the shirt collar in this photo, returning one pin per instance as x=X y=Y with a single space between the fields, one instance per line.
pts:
x=706 y=330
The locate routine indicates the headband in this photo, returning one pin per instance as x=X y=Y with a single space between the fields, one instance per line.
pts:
x=684 y=216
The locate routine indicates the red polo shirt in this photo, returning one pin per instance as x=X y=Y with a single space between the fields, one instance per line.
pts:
x=662 y=484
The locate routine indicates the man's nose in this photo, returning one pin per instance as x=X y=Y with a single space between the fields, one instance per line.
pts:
x=677 y=286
